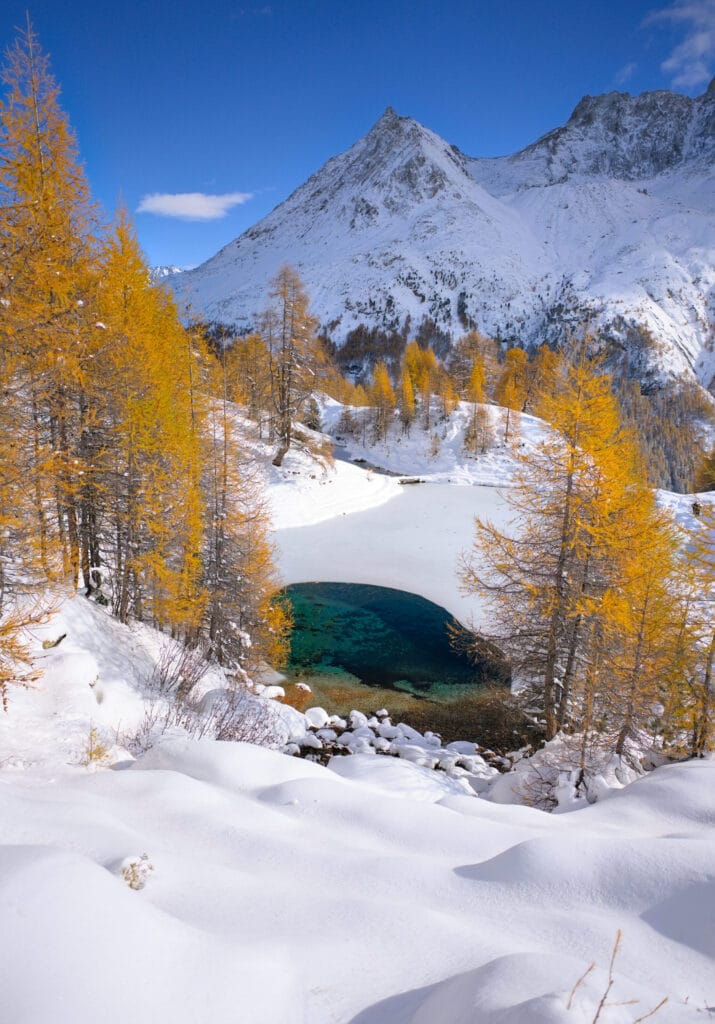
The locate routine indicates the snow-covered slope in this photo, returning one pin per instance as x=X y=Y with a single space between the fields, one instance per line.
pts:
x=610 y=217
x=276 y=890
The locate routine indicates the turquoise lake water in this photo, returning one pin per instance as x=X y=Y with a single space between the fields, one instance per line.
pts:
x=378 y=637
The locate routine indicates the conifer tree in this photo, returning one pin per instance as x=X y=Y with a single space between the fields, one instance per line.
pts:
x=545 y=578
x=150 y=463
x=294 y=352
x=469 y=349
x=247 y=370
x=701 y=675
x=511 y=388
x=705 y=478
x=543 y=372
x=478 y=434
x=46 y=240
x=447 y=394
x=647 y=652
x=406 y=402
x=244 y=623
x=383 y=400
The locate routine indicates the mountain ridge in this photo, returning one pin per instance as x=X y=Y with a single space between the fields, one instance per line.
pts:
x=608 y=219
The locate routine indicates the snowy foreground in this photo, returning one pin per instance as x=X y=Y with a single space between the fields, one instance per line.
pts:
x=227 y=883
x=188 y=881
x=281 y=891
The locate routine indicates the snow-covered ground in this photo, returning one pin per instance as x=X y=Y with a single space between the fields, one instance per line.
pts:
x=303 y=493
x=438 y=455
x=224 y=882
x=207 y=881
x=278 y=890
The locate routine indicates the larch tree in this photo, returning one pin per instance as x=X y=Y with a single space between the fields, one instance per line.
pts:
x=511 y=387
x=700 y=570
x=47 y=227
x=294 y=354
x=406 y=402
x=244 y=623
x=464 y=354
x=248 y=377
x=705 y=478
x=150 y=462
x=447 y=394
x=544 y=578
x=647 y=655
x=478 y=434
x=543 y=370
x=382 y=396
x=420 y=366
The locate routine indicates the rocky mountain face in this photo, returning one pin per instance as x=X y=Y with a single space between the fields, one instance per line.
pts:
x=608 y=220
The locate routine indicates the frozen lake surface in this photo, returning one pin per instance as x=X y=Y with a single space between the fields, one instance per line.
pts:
x=412 y=542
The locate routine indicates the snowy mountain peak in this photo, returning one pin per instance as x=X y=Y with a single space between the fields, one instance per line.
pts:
x=398 y=160
x=628 y=137
x=161 y=272
x=609 y=218
x=388 y=118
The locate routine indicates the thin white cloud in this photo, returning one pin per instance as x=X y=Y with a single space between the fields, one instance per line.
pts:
x=690 y=65
x=192 y=205
x=625 y=73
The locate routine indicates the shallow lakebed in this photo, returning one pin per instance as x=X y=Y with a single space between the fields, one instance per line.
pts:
x=348 y=634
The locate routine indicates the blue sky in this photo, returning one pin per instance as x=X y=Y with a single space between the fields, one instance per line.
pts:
x=235 y=104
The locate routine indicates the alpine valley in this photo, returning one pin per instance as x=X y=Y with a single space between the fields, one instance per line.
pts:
x=608 y=221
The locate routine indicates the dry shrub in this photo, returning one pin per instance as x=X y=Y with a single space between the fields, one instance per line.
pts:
x=243 y=718
x=490 y=717
x=96 y=750
x=15 y=657
x=235 y=716
x=319 y=445
x=297 y=697
x=604 y=1002
x=178 y=669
